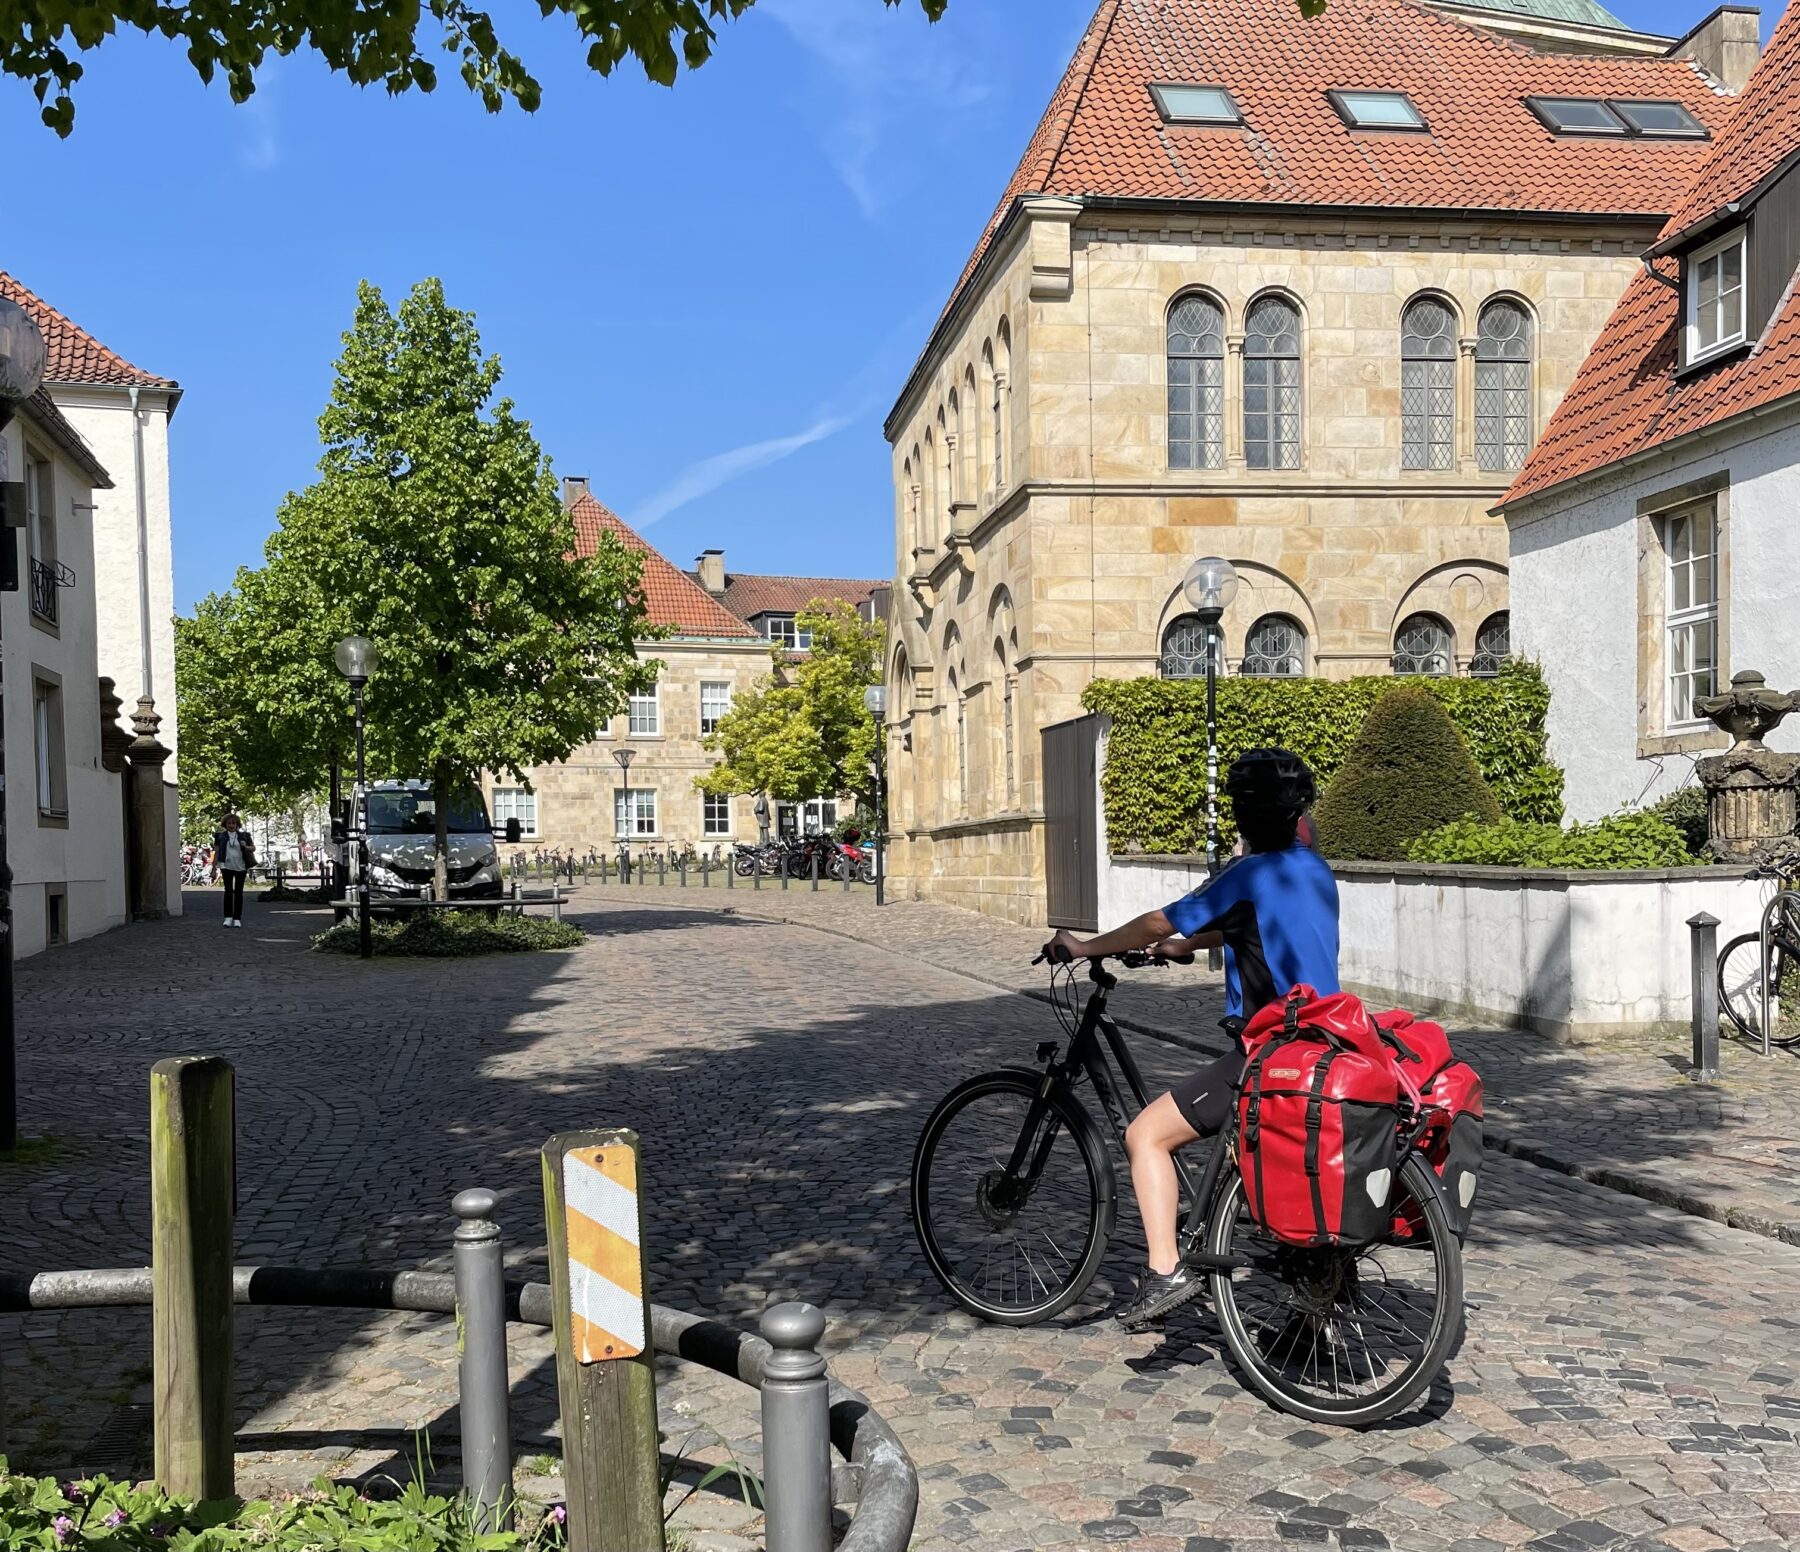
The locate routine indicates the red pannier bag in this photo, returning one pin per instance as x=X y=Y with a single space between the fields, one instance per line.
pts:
x=1450 y=1104
x=1318 y=1123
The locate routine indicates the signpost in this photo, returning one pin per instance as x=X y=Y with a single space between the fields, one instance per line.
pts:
x=605 y=1368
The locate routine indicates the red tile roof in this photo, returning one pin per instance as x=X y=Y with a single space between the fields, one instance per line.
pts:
x=748 y=596
x=76 y=357
x=1626 y=398
x=41 y=409
x=669 y=597
x=1102 y=136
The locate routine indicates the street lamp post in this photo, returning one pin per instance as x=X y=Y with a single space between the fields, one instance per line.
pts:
x=1210 y=585
x=625 y=757
x=875 y=700
x=356 y=659
x=22 y=360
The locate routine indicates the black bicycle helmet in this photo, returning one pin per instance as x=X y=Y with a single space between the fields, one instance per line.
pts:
x=1270 y=781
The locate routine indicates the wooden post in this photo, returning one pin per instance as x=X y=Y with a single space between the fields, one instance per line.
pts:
x=605 y=1366
x=192 y=1190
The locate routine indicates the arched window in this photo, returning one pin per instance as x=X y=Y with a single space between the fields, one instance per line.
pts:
x=1272 y=384
x=1493 y=645
x=968 y=478
x=1196 y=356
x=949 y=423
x=1502 y=386
x=931 y=528
x=1006 y=717
x=1275 y=647
x=1002 y=367
x=962 y=746
x=1428 y=385
x=1184 y=648
x=1422 y=646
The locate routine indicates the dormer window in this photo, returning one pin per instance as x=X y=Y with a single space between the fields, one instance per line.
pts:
x=1196 y=104
x=1619 y=117
x=1713 y=293
x=1377 y=110
x=784 y=628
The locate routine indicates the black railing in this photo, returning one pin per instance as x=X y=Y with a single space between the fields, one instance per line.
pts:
x=43 y=590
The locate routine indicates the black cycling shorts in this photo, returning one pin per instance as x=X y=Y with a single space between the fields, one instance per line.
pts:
x=1206 y=1099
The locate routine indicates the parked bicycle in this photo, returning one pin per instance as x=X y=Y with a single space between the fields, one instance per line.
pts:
x=1748 y=980
x=1015 y=1197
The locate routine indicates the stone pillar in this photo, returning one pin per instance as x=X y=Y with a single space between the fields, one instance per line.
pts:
x=114 y=740
x=150 y=869
x=1234 y=401
x=1751 y=800
x=1465 y=403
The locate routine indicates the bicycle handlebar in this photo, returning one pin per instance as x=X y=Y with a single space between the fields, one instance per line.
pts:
x=1131 y=958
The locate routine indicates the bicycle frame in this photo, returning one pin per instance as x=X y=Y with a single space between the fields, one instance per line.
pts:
x=1094 y=1035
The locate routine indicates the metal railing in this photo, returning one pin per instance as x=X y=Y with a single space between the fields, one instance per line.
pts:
x=805 y=1413
x=43 y=590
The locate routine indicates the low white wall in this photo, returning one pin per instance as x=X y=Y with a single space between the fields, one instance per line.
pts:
x=1577 y=956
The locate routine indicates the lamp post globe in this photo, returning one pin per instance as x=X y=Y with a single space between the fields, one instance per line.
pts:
x=1210 y=585
x=356 y=659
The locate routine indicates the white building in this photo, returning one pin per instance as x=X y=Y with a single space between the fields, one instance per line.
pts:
x=122 y=412
x=1655 y=529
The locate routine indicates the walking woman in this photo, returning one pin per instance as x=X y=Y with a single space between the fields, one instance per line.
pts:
x=234 y=855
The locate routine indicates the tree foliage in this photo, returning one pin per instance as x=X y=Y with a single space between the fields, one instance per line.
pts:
x=803 y=732
x=1408 y=772
x=435 y=529
x=373 y=45
x=1154 y=784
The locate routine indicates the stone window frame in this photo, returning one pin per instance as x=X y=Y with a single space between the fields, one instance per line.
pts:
x=515 y=803
x=628 y=811
x=707 y=830
x=56 y=915
x=49 y=742
x=721 y=712
x=1654 y=737
x=635 y=703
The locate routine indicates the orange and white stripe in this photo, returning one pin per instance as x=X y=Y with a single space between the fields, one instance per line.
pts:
x=606 y=1269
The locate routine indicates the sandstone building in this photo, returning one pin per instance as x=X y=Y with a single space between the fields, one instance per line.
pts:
x=1299 y=293
x=722 y=627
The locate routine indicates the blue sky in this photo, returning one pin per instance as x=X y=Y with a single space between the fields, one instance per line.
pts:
x=705 y=298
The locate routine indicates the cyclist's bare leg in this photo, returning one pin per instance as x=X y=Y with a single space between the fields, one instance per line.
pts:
x=1151 y=1140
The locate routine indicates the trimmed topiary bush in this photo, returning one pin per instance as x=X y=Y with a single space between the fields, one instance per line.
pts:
x=1619 y=841
x=1408 y=772
x=453 y=935
x=1154 y=784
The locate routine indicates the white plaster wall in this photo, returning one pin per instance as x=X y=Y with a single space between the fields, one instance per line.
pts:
x=1575 y=606
x=103 y=416
x=87 y=856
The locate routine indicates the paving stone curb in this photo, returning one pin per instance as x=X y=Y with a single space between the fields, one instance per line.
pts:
x=1630 y=1182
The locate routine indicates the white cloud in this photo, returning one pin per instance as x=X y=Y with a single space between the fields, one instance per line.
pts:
x=709 y=474
x=259 y=146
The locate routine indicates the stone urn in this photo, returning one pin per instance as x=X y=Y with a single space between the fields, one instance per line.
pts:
x=1750 y=788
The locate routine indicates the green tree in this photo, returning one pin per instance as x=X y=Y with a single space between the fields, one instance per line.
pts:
x=435 y=529
x=1408 y=772
x=803 y=732
x=383 y=45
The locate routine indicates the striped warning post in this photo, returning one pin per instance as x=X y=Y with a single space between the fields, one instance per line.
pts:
x=606 y=1268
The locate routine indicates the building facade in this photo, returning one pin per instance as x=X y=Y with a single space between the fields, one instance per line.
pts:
x=1669 y=478
x=712 y=654
x=122 y=413
x=1297 y=295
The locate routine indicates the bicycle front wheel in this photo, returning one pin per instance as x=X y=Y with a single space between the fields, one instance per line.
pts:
x=1014 y=1246
x=1341 y=1335
x=1743 y=983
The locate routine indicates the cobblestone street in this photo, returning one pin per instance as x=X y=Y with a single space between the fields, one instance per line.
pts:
x=1628 y=1379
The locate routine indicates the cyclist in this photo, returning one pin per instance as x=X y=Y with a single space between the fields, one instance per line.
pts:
x=1275 y=911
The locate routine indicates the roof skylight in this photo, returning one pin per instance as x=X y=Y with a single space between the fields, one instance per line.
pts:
x=1620 y=116
x=1196 y=105
x=1377 y=110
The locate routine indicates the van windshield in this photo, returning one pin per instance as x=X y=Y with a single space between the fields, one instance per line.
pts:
x=415 y=813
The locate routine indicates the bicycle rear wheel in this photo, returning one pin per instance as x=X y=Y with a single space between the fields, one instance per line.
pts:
x=1013 y=1248
x=1345 y=1336
x=1741 y=975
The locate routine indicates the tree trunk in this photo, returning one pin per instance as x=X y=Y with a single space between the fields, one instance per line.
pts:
x=440 y=875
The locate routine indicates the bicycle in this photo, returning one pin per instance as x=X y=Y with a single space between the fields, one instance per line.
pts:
x=1344 y=1335
x=1747 y=980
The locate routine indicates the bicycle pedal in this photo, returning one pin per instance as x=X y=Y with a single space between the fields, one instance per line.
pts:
x=1206 y=1261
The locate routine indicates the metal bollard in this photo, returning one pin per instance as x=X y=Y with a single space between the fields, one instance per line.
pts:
x=662 y=868
x=1703 y=946
x=517 y=909
x=705 y=873
x=481 y=1374
x=681 y=870
x=815 y=870
x=784 y=873
x=731 y=874
x=796 y=1430
x=848 y=871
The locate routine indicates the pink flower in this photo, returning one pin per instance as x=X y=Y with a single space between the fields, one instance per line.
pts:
x=63 y=1526
x=116 y=1518
x=557 y=1515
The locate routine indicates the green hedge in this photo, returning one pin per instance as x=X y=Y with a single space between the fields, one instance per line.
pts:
x=1629 y=840
x=1155 y=782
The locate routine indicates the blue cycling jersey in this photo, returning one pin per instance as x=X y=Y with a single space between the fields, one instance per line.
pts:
x=1278 y=911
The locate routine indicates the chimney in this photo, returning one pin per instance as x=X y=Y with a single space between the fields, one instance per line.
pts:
x=711 y=566
x=574 y=488
x=1726 y=45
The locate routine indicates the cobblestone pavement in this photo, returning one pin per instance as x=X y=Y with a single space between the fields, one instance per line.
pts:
x=1622 y=1114
x=1628 y=1379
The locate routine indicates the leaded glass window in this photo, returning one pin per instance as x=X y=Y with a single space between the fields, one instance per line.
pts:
x=1184 y=648
x=1422 y=645
x=1272 y=384
x=1276 y=646
x=1428 y=385
x=1196 y=356
x=1503 y=386
x=1493 y=644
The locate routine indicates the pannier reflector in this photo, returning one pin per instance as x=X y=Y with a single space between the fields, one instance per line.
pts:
x=1377 y=1185
x=1465 y=1188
